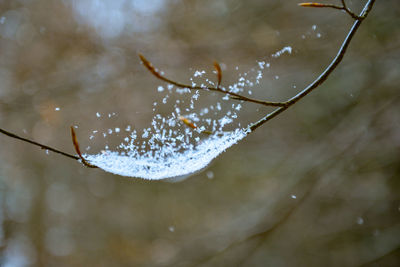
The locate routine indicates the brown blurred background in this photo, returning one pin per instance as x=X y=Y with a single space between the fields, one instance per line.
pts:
x=317 y=186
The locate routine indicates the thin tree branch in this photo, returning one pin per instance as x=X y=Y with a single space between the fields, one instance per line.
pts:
x=343 y=7
x=38 y=144
x=219 y=73
x=48 y=148
x=153 y=71
x=324 y=75
x=78 y=151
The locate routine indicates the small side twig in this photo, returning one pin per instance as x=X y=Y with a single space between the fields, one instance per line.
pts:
x=343 y=7
x=78 y=151
x=190 y=124
x=233 y=95
x=219 y=73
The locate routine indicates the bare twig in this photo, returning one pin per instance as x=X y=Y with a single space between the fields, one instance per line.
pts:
x=219 y=73
x=48 y=148
x=324 y=75
x=78 y=151
x=38 y=144
x=343 y=7
x=150 y=67
x=190 y=124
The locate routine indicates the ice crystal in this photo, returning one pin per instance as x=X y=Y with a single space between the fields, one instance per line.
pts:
x=286 y=49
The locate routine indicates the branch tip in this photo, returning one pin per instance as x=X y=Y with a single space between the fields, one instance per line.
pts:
x=145 y=61
x=150 y=67
x=190 y=124
x=78 y=151
x=343 y=7
x=187 y=122
x=219 y=73
x=310 y=4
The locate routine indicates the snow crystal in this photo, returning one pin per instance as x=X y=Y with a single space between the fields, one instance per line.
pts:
x=286 y=49
x=199 y=73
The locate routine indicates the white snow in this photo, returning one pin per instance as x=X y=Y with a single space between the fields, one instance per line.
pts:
x=286 y=49
x=168 y=162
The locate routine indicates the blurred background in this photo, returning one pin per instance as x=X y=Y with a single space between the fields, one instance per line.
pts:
x=318 y=185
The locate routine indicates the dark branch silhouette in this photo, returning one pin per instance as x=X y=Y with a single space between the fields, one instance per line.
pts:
x=38 y=144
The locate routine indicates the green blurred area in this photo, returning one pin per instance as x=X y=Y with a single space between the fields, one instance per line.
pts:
x=318 y=185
